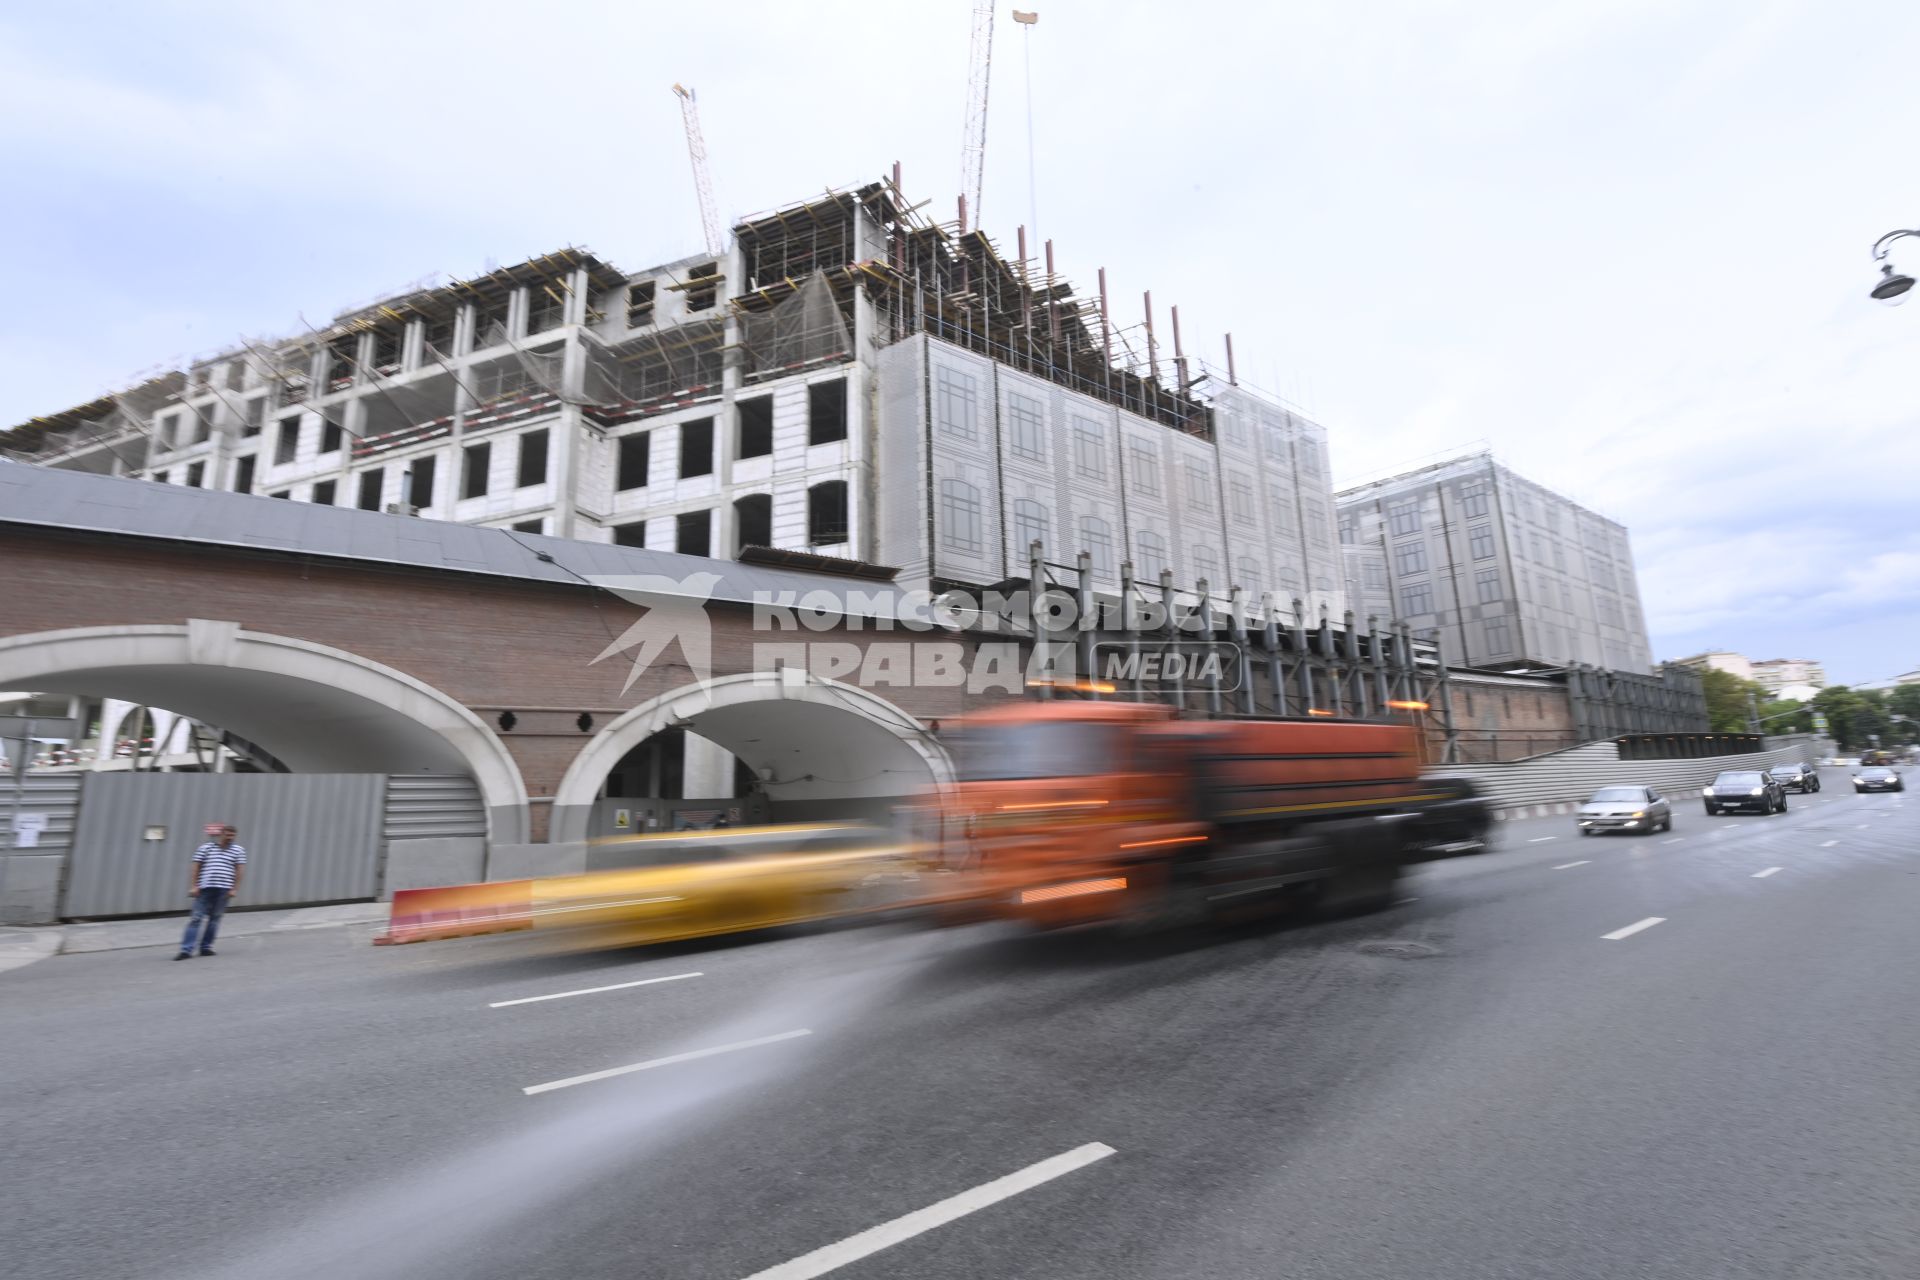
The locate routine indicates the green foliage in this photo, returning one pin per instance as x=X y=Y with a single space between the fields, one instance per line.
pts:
x=1856 y=716
x=1730 y=701
x=1784 y=715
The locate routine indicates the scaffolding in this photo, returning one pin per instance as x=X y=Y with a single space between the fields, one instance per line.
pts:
x=928 y=277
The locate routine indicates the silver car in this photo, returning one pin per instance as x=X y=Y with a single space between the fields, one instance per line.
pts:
x=1625 y=809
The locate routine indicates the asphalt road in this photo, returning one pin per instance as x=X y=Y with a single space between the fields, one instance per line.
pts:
x=1476 y=1083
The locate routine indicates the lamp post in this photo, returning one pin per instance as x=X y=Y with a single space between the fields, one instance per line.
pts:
x=1891 y=288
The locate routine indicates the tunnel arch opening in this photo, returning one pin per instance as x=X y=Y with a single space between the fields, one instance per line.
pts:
x=315 y=708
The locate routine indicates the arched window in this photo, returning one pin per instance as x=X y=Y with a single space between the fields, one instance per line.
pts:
x=1096 y=539
x=1206 y=565
x=1030 y=525
x=827 y=513
x=1246 y=576
x=1149 y=556
x=960 y=516
x=752 y=521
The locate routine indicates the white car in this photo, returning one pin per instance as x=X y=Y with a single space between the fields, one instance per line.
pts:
x=1625 y=809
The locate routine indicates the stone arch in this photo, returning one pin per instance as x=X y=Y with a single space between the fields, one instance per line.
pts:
x=764 y=718
x=317 y=708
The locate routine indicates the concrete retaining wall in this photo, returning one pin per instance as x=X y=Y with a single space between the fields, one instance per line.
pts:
x=1561 y=781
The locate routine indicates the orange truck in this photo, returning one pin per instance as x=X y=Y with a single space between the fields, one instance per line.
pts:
x=1072 y=812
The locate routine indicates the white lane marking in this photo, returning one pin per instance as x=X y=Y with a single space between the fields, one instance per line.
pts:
x=1632 y=929
x=1563 y=866
x=1828 y=844
x=871 y=1241
x=667 y=1061
x=1675 y=840
x=1404 y=901
x=593 y=991
x=1762 y=875
x=1861 y=827
x=1542 y=839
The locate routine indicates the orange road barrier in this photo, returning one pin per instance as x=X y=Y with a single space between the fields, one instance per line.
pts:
x=457 y=911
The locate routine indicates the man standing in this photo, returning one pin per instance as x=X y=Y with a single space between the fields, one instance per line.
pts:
x=214 y=880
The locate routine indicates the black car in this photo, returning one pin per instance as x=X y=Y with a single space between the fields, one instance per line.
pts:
x=1739 y=789
x=1796 y=777
x=1878 y=778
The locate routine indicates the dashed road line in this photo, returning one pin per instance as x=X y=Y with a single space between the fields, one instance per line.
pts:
x=1675 y=840
x=667 y=1061
x=1828 y=844
x=1563 y=866
x=1762 y=875
x=1542 y=839
x=871 y=1241
x=1633 y=928
x=593 y=991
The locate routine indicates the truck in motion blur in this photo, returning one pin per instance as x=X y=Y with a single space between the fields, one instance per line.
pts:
x=1081 y=812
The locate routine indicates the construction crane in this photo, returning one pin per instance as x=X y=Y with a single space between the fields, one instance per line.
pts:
x=702 y=180
x=973 y=144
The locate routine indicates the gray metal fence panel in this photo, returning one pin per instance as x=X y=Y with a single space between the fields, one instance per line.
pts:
x=1572 y=775
x=428 y=806
x=56 y=795
x=310 y=837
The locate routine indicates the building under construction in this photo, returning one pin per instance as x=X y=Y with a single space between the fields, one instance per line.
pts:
x=849 y=380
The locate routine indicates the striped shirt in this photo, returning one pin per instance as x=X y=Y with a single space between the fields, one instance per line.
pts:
x=217 y=864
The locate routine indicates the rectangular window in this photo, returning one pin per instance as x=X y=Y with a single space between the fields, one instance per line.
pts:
x=630 y=535
x=1026 y=428
x=284 y=493
x=693 y=533
x=1487 y=583
x=1404 y=517
x=196 y=473
x=546 y=309
x=956 y=402
x=640 y=305
x=243 y=475
x=1240 y=495
x=203 y=423
x=533 y=459
x=1374 y=574
x=1145 y=463
x=475 y=461
x=756 y=427
x=323 y=493
x=1473 y=498
x=1416 y=598
x=1410 y=558
x=960 y=516
x=701 y=297
x=1089 y=451
x=1199 y=487
x=331 y=437
x=1499 y=637
x=696 y=449
x=827 y=411
x=1480 y=541
x=531 y=526
x=370 y=486
x=636 y=456
x=1559 y=555
x=420 y=482
x=251 y=415
x=286 y=443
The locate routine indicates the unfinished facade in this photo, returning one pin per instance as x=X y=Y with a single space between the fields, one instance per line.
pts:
x=849 y=379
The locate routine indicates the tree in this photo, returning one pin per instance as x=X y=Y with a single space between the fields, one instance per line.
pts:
x=1784 y=715
x=1905 y=700
x=1730 y=701
x=1854 y=716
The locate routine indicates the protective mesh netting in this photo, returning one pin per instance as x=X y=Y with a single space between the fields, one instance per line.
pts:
x=800 y=330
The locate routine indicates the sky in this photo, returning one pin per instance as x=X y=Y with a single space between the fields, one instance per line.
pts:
x=1623 y=244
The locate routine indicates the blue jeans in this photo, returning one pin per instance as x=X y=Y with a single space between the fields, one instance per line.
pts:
x=208 y=905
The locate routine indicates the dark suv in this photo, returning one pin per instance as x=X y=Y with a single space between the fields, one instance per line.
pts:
x=1796 y=777
x=1739 y=789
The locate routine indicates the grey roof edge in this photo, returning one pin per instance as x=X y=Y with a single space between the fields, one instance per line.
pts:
x=75 y=501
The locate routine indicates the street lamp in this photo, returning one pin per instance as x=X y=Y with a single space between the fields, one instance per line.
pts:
x=1892 y=286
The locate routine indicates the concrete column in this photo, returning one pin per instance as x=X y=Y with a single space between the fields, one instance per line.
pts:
x=706 y=771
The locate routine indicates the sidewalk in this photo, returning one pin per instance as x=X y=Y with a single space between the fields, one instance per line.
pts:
x=23 y=946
